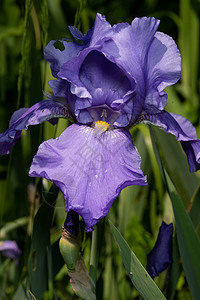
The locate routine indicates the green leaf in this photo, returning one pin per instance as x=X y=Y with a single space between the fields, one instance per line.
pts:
x=37 y=264
x=138 y=275
x=188 y=240
x=7 y=31
x=25 y=50
x=189 y=245
x=175 y=163
x=176 y=270
x=195 y=210
x=22 y=292
x=189 y=48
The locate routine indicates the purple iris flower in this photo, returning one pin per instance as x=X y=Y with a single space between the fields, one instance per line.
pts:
x=160 y=258
x=108 y=80
x=10 y=249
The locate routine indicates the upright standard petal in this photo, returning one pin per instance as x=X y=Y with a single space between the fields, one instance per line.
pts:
x=163 y=68
x=96 y=81
x=21 y=119
x=133 y=43
x=101 y=29
x=161 y=255
x=90 y=167
x=182 y=129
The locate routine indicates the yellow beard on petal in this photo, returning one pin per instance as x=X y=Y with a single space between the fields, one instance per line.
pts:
x=101 y=126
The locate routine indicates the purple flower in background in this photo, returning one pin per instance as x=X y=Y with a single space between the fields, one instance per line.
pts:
x=10 y=249
x=108 y=80
x=160 y=258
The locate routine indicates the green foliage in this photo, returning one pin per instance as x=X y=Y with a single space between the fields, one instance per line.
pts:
x=139 y=240
x=138 y=275
x=33 y=216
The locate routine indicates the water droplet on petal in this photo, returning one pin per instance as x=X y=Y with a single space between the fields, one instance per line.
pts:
x=96 y=176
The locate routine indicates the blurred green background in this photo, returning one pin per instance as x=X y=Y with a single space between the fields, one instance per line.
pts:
x=25 y=28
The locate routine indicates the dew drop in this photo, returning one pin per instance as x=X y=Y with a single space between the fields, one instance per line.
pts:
x=96 y=176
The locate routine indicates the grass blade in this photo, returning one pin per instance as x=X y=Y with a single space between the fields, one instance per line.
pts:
x=138 y=275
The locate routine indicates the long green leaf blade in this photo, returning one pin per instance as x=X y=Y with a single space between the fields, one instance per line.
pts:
x=189 y=245
x=37 y=264
x=138 y=275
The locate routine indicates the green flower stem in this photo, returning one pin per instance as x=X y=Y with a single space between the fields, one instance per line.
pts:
x=94 y=254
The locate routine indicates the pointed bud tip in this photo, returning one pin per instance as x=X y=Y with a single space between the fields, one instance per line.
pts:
x=69 y=249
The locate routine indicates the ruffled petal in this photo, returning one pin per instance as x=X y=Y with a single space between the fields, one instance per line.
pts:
x=70 y=70
x=90 y=167
x=160 y=257
x=100 y=39
x=97 y=81
x=97 y=37
x=21 y=119
x=123 y=44
x=163 y=69
x=101 y=29
x=133 y=42
x=182 y=129
x=57 y=57
x=98 y=72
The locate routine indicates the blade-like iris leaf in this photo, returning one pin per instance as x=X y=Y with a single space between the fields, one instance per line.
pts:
x=138 y=275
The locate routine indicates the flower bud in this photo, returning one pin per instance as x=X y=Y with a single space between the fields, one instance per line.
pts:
x=160 y=257
x=70 y=240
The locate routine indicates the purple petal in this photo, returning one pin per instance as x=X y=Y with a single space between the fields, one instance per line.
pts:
x=101 y=40
x=96 y=37
x=69 y=66
x=101 y=29
x=133 y=43
x=161 y=255
x=21 y=119
x=10 y=249
x=163 y=69
x=72 y=223
x=98 y=81
x=184 y=132
x=90 y=168
x=192 y=149
x=97 y=72
x=137 y=51
x=59 y=87
x=16 y=115
x=77 y=34
x=94 y=74
x=108 y=85
x=57 y=58
x=70 y=71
